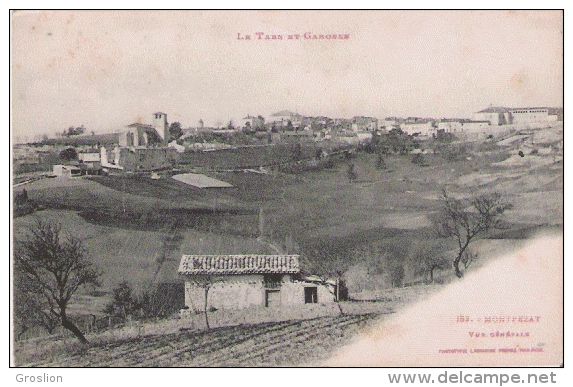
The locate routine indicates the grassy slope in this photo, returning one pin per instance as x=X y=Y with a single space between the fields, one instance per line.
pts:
x=134 y=254
x=311 y=205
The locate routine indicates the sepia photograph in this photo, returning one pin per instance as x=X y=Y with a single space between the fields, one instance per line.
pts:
x=274 y=188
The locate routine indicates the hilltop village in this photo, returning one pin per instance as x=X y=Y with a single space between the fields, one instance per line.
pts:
x=156 y=145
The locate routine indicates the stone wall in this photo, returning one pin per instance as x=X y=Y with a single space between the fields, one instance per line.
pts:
x=245 y=291
x=142 y=159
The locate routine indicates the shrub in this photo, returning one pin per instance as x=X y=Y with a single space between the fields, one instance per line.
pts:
x=418 y=159
x=124 y=302
x=453 y=152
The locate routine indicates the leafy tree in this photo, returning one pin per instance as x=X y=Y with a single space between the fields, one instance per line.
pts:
x=74 y=131
x=53 y=269
x=175 y=130
x=456 y=221
x=124 y=302
x=296 y=151
x=443 y=137
x=68 y=154
x=230 y=125
x=399 y=141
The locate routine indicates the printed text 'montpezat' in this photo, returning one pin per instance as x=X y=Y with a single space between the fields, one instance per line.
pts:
x=304 y=36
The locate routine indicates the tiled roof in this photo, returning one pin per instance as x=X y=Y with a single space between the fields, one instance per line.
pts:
x=285 y=113
x=238 y=264
x=493 y=109
x=418 y=122
x=136 y=125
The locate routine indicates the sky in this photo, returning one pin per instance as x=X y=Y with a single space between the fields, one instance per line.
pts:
x=108 y=69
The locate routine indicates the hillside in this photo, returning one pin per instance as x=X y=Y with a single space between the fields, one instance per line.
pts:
x=303 y=335
x=382 y=215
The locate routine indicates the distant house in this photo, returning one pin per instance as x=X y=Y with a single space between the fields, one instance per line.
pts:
x=282 y=118
x=474 y=126
x=465 y=128
x=424 y=127
x=390 y=123
x=90 y=162
x=252 y=122
x=364 y=124
x=450 y=125
x=67 y=170
x=494 y=115
x=242 y=281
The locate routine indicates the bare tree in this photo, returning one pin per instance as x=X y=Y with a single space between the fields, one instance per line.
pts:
x=328 y=265
x=205 y=282
x=53 y=269
x=468 y=258
x=428 y=257
x=29 y=308
x=464 y=221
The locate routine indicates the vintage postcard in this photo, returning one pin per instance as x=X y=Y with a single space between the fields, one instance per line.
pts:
x=287 y=188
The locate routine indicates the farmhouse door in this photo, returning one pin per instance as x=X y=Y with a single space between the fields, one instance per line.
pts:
x=273 y=298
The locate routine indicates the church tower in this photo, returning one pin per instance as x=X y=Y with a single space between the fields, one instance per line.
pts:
x=160 y=125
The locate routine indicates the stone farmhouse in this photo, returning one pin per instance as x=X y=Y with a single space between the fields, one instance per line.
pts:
x=243 y=281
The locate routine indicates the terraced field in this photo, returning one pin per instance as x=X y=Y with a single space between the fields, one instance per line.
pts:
x=294 y=342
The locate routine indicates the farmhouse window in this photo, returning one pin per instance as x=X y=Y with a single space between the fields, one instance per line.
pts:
x=273 y=281
x=310 y=295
